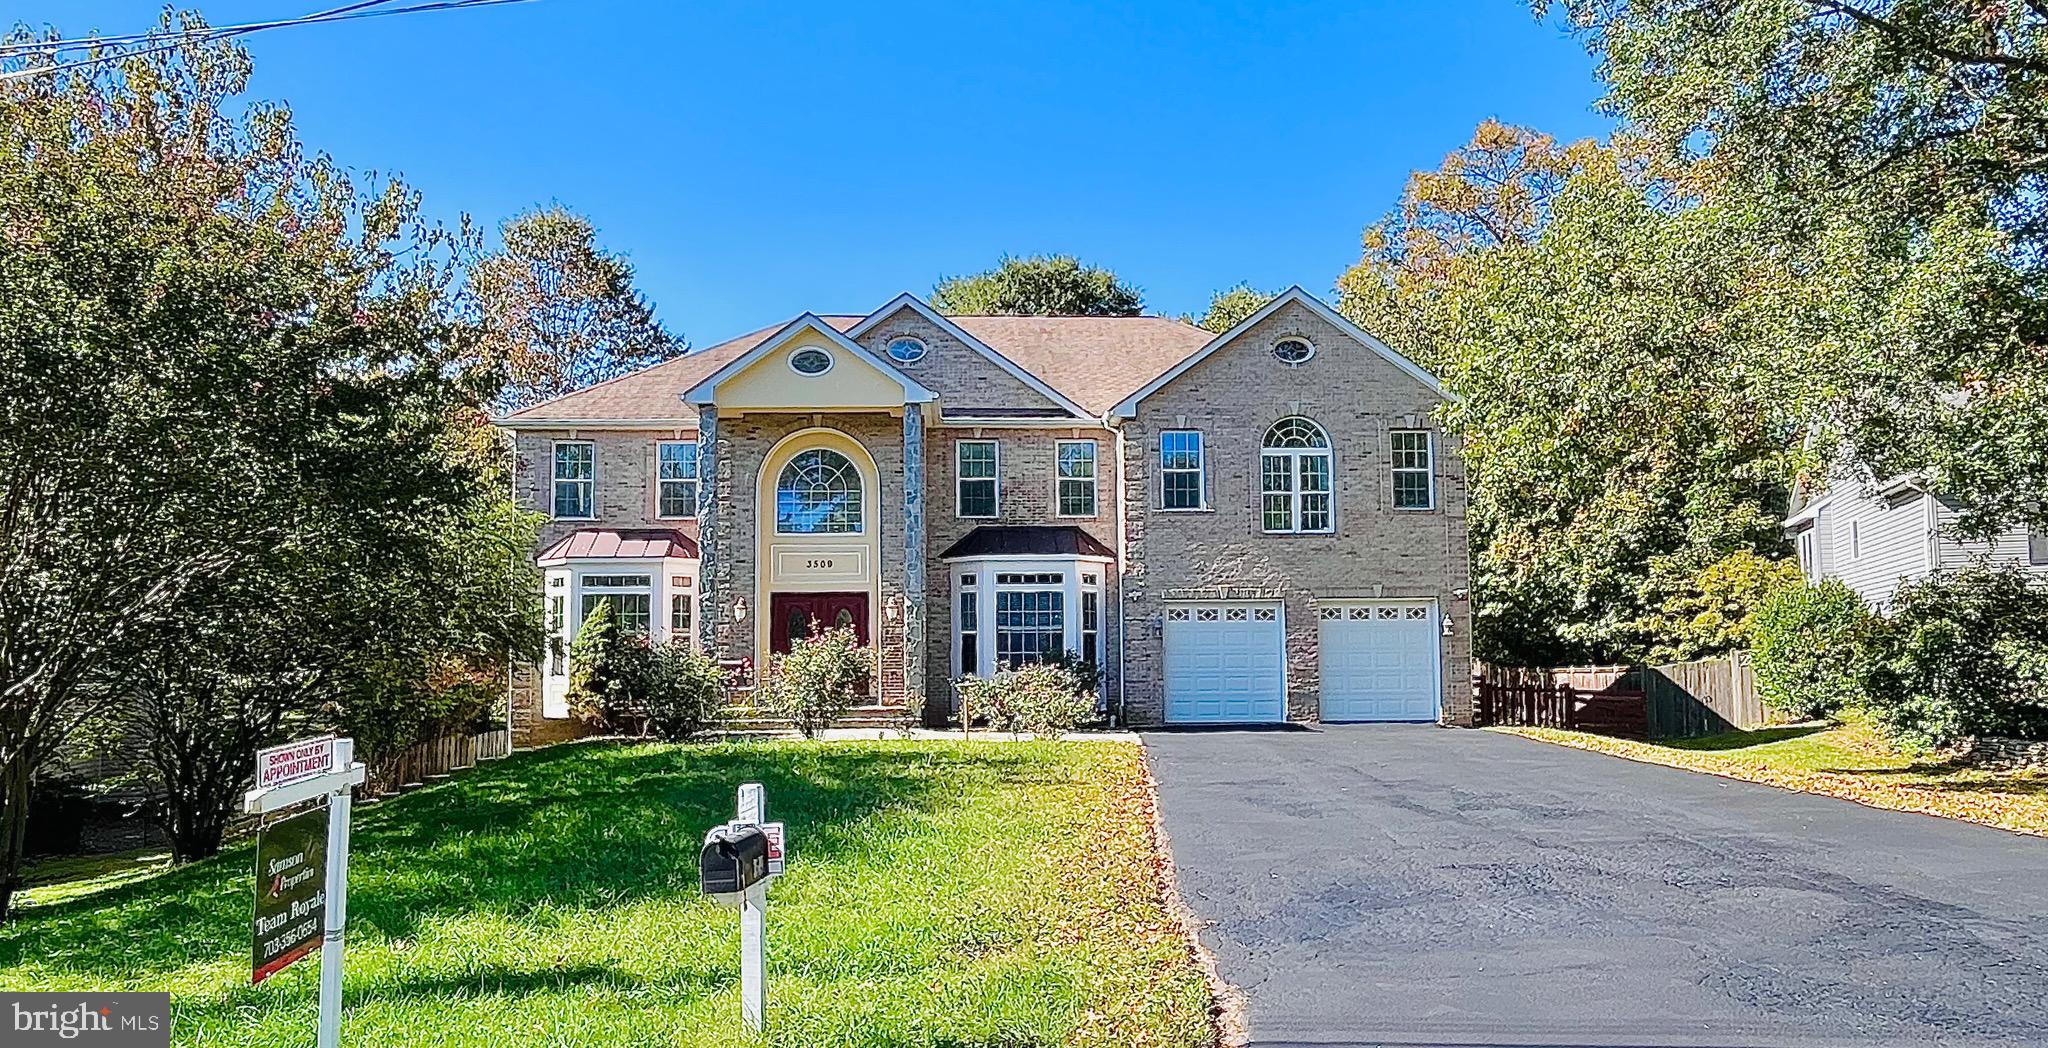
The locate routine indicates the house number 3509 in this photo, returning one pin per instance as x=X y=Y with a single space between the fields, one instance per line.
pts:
x=818 y=562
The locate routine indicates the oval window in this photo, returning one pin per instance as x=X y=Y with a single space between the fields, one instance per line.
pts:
x=810 y=361
x=1293 y=350
x=906 y=351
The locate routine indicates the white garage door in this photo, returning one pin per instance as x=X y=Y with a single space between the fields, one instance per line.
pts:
x=1225 y=663
x=1381 y=661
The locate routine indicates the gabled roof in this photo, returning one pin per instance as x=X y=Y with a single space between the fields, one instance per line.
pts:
x=1095 y=361
x=650 y=396
x=1089 y=363
x=916 y=305
x=706 y=390
x=1128 y=406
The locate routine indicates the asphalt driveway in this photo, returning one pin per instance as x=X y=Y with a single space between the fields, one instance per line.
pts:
x=1407 y=885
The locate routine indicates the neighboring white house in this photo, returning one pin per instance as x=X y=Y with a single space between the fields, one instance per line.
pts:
x=1874 y=535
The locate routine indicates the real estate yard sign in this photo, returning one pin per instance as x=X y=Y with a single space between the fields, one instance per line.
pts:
x=291 y=892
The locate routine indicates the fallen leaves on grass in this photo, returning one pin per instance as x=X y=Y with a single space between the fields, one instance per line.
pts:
x=1849 y=764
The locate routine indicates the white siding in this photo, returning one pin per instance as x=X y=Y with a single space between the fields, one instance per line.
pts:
x=1873 y=543
x=2009 y=549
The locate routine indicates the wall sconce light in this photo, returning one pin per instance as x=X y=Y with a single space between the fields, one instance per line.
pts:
x=1447 y=626
x=739 y=610
x=892 y=608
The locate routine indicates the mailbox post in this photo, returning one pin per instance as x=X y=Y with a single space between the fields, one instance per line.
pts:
x=734 y=868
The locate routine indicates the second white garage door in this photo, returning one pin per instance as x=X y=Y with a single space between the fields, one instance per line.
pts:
x=1381 y=661
x=1225 y=663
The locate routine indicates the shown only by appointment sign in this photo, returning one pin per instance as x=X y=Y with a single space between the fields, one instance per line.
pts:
x=291 y=892
x=281 y=765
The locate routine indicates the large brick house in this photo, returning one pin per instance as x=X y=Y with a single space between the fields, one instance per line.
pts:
x=1259 y=526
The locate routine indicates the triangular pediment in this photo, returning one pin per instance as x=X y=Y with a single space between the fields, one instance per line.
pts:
x=809 y=365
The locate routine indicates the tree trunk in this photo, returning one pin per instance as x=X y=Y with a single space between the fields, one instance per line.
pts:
x=16 y=779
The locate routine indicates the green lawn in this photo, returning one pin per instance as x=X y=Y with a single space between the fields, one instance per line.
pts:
x=938 y=893
x=1849 y=761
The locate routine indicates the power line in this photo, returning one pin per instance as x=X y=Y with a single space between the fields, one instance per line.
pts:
x=169 y=40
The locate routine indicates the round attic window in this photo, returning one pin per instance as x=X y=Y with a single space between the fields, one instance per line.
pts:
x=906 y=350
x=810 y=361
x=1293 y=350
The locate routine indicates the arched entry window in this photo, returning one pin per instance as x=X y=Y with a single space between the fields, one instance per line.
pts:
x=1294 y=472
x=818 y=493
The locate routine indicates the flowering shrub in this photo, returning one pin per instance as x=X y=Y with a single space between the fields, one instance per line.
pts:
x=822 y=677
x=1047 y=700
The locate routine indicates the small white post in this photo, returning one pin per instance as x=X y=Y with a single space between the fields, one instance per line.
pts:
x=337 y=901
x=753 y=925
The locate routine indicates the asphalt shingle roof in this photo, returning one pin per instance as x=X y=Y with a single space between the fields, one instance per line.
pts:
x=1093 y=361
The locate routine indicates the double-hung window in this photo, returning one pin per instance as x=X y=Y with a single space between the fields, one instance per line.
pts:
x=2037 y=545
x=1414 y=470
x=970 y=627
x=575 y=478
x=631 y=597
x=679 y=616
x=1076 y=468
x=1294 y=477
x=1180 y=469
x=1031 y=622
x=978 y=492
x=1091 y=620
x=676 y=478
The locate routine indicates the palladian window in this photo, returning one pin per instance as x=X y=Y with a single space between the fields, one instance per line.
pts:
x=1294 y=476
x=818 y=493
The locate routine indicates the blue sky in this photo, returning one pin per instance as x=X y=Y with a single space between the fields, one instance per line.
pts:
x=758 y=160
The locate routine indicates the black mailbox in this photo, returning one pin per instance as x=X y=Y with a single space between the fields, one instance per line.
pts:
x=735 y=858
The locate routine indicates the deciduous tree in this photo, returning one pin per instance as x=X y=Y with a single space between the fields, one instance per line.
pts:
x=1231 y=305
x=1039 y=285
x=220 y=352
x=558 y=312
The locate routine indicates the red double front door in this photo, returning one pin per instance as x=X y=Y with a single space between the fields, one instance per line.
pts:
x=792 y=616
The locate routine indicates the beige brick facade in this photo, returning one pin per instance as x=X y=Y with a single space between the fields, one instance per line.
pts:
x=1026 y=495
x=1377 y=551
x=1232 y=397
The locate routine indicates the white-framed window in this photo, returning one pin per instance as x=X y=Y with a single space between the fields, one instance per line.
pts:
x=2037 y=545
x=906 y=350
x=1806 y=557
x=1181 y=483
x=1075 y=469
x=978 y=491
x=1414 y=469
x=1091 y=618
x=1855 y=538
x=558 y=624
x=810 y=361
x=1293 y=350
x=631 y=595
x=675 y=478
x=681 y=614
x=818 y=493
x=969 y=626
x=575 y=480
x=1031 y=617
x=1294 y=478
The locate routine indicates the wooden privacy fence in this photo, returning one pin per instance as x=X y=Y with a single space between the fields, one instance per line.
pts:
x=1690 y=699
x=1528 y=698
x=437 y=758
x=1672 y=701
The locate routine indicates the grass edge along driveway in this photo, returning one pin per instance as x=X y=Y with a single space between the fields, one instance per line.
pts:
x=1848 y=761
x=938 y=893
